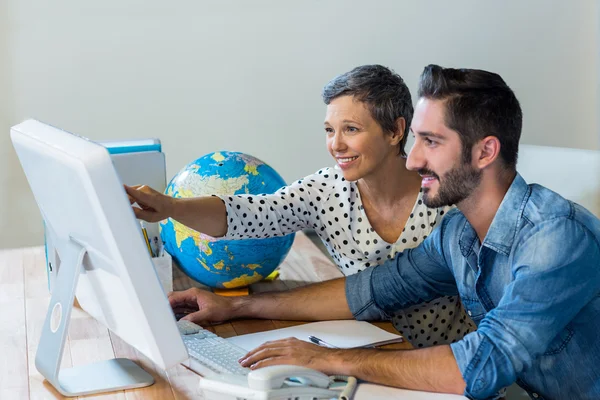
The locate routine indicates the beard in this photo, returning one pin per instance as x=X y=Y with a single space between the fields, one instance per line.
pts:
x=456 y=185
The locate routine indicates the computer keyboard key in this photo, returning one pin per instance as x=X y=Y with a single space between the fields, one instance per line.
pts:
x=188 y=327
x=210 y=354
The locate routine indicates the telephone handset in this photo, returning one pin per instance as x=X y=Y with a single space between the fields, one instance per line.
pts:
x=278 y=382
x=274 y=377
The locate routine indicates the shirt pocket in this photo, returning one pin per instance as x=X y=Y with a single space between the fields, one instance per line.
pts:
x=560 y=341
x=473 y=308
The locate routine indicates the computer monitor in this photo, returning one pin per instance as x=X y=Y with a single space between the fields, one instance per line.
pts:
x=104 y=261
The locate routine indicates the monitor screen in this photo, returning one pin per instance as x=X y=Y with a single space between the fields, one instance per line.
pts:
x=83 y=202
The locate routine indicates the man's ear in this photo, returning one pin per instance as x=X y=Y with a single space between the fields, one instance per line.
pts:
x=486 y=151
x=397 y=136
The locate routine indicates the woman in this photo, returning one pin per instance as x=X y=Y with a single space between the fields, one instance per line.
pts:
x=365 y=210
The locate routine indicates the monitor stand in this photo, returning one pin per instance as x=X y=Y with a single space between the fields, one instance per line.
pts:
x=103 y=376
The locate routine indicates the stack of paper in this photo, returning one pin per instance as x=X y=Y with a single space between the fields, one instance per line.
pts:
x=344 y=334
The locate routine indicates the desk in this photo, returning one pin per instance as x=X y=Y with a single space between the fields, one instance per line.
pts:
x=24 y=299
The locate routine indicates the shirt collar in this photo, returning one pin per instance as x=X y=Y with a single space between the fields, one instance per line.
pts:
x=504 y=226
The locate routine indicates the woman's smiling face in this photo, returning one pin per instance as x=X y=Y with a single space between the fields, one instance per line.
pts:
x=355 y=140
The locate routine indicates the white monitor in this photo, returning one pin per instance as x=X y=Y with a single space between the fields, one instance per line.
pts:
x=104 y=261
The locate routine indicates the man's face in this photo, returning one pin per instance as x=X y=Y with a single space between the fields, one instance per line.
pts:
x=437 y=156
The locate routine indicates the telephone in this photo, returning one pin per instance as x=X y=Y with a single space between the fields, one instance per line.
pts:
x=279 y=382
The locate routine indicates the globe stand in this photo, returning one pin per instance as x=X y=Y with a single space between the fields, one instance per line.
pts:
x=103 y=376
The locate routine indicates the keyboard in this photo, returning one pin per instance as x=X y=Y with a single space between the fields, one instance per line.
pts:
x=210 y=354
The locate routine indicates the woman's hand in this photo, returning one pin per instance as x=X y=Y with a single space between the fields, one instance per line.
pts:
x=153 y=206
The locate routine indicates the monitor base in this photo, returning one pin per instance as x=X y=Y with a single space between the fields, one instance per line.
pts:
x=103 y=376
x=99 y=377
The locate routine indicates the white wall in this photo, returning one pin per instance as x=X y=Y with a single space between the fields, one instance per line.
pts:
x=19 y=218
x=246 y=75
x=573 y=173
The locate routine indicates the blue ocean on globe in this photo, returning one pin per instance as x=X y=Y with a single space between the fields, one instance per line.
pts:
x=218 y=263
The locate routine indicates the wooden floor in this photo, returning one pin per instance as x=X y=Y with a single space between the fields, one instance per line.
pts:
x=24 y=299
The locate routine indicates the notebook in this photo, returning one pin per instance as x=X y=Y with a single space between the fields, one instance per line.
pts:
x=344 y=334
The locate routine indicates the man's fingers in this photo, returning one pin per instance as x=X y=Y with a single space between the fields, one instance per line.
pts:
x=201 y=318
x=264 y=354
x=177 y=299
x=184 y=310
x=272 y=361
x=195 y=317
x=185 y=297
x=271 y=344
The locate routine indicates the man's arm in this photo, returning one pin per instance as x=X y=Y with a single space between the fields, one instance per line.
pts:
x=433 y=369
x=414 y=275
x=316 y=302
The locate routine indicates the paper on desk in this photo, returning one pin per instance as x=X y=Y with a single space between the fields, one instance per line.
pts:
x=370 y=391
x=344 y=334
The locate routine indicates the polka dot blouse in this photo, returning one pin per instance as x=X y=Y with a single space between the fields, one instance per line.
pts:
x=331 y=205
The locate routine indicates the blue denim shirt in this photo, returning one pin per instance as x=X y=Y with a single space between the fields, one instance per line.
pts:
x=532 y=287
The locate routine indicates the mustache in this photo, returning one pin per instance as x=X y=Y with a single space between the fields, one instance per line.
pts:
x=429 y=172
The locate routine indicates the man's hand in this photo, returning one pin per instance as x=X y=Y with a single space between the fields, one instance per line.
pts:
x=433 y=369
x=206 y=308
x=153 y=206
x=290 y=351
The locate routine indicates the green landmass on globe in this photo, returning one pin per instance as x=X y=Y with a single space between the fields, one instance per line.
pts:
x=220 y=263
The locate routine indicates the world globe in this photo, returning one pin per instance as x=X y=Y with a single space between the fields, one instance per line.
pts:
x=224 y=264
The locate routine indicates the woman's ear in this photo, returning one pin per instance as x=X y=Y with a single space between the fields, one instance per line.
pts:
x=398 y=135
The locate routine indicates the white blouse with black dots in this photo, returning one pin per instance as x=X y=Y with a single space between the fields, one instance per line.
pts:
x=331 y=205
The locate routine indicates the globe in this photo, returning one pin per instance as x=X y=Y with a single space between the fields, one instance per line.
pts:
x=224 y=264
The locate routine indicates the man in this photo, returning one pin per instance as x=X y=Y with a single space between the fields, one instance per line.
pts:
x=524 y=261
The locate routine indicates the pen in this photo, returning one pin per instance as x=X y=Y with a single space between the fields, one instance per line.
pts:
x=320 y=342
x=145 y=233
